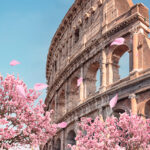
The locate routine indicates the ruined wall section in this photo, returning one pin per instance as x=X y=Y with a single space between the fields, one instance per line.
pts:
x=80 y=38
x=81 y=47
x=84 y=20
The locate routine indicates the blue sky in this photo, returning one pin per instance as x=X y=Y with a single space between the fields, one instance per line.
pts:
x=26 y=29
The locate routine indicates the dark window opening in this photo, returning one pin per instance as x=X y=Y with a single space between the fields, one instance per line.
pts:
x=55 y=65
x=58 y=145
x=71 y=138
x=77 y=34
x=117 y=113
x=86 y=21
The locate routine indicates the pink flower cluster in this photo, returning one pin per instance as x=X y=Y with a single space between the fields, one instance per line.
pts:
x=21 y=120
x=130 y=132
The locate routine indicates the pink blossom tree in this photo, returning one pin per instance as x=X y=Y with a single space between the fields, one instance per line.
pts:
x=130 y=132
x=22 y=122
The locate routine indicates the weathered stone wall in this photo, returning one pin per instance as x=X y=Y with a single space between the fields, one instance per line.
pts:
x=81 y=47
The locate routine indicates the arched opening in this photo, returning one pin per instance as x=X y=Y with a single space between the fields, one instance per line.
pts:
x=74 y=94
x=124 y=65
x=92 y=79
x=55 y=65
x=61 y=104
x=120 y=62
x=147 y=109
x=77 y=34
x=58 y=144
x=144 y=109
x=71 y=138
x=116 y=113
x=98 y=80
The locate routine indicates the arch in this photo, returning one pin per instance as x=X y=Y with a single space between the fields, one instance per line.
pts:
x=98 y=80
x=58 y=144
x=92 y=78
x=74 y=93
x=147 y=109
x=144 y=108
x=61 y=104
x=117 y=112
x=76 y=35
x=71 y=138
x=116 y=55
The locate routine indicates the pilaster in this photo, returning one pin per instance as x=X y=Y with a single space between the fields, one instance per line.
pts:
x=82 y=94
x=103 y=72
x=56 y=105
x=135 y=69
x=132 y=97
x=66 y=96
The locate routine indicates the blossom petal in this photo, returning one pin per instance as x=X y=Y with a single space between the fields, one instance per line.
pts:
x=14 y=62
x=40 y=86
x=62 y=125
x=118 y=41
x=113 y=101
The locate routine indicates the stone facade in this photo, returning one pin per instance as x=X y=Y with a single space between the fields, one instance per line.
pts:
x=80 y=48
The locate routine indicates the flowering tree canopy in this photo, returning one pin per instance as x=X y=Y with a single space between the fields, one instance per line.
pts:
x=127 y=133
x=22 y=122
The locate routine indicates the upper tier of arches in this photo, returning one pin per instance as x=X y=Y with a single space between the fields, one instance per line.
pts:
x=82 y=22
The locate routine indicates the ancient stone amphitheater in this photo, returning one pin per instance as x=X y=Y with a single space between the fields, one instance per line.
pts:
x=81 y=47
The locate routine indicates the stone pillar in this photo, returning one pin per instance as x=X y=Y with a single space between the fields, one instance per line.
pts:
x=103 y=71
x=85 y=87
x=56 y=106
x=77 y=129
x=84 y=40
x=132 y=97
x=49 y=145
x=100 y=114
x=66 y=97
x=63 y=140
x=110 y=73
x=71 y=45
x=82 y=86
x=53 y=146
x=59 y=58
x=135 y=52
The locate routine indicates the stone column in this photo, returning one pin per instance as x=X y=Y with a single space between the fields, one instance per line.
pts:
x=100 y=114
x=66 y=97
x=135 y=52
x=56 y=106
x=132 y=97
x=110 y=72
x=77 y=129
x=82 y=86
x=53 y=146
x=103 y=71
x=71 y=45
x=63 y=140
x=85 y=87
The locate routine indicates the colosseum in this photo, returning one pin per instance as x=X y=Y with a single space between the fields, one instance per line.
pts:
x=81 y=50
